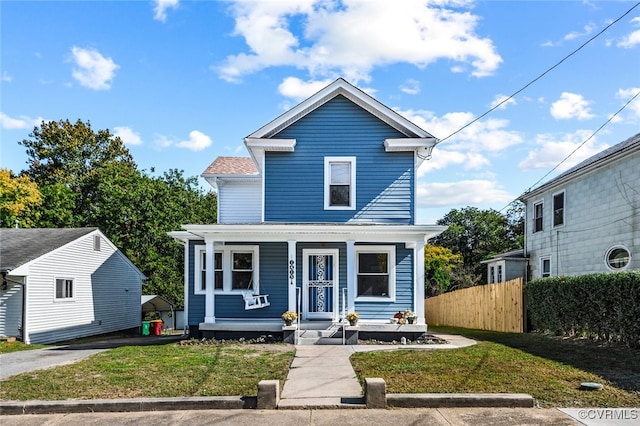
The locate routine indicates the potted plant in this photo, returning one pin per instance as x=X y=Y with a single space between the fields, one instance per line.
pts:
x=410 y=316
x=289 y=317
x=353 y=318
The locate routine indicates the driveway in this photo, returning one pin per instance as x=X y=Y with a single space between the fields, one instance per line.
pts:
x=22 y=361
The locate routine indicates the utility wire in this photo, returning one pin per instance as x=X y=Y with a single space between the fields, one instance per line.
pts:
x=541 y=75
x=579 y=146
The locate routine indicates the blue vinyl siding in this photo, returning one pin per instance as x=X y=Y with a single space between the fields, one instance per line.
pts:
x=404 y=290
x=273 y=281
x=294 y=181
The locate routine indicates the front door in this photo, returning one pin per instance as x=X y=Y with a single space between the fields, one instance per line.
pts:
x=320 y=283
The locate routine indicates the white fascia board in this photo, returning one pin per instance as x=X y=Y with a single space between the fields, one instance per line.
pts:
x=315 y=232
x=409 y=144
x=360 y=98
x=258 y=146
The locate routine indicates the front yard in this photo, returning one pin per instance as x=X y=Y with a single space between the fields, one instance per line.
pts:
x=548 y=368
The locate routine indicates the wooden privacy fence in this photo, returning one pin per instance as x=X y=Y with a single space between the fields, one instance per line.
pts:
x=496 y=307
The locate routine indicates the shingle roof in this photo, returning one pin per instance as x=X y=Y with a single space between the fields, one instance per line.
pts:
x=19 y=246
x=231 y=166
x=623 y=147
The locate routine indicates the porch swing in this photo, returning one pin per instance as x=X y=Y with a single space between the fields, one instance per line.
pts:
x=254 y=301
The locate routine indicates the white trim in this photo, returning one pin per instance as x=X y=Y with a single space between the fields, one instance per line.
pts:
x=418 y=286
x=541 y=263
x=227 y=268
x=336 y=284
x=327 y=182
x=57 y=299
x=186 y=284
x=210 y=302
x=258 y=146
x=553 y=208
x=391 y=262
x=409 y=144
x=533 y=228
x=352 y=277
x=612 y=248
x=355 y=95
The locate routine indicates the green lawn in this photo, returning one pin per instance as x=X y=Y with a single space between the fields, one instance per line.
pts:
x=156 y=371
x=7 y=347
x=548 y=368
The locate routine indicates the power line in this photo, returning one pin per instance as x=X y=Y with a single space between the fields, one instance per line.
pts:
x=541 y=75
x=579 y=146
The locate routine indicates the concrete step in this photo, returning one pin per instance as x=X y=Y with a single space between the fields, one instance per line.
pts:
x=307 y=341
x=321 y=403
x=329 y=341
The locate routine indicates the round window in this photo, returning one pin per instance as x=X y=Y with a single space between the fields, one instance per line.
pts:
x=618 y=257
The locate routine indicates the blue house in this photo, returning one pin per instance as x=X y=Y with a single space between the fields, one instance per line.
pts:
x=320 y=220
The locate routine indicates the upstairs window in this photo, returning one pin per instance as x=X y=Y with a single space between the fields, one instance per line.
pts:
x=96 y=242
x=558 y=209
x=64 y=288
x=339 y=183
x=538 y=209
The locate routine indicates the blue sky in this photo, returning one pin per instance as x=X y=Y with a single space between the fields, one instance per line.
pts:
x=183 y=82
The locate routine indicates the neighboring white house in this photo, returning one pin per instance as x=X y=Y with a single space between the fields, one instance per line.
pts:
x=61 y=284
x=587 y=219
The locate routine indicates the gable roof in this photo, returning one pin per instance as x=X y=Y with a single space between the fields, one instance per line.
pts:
x=19 y=246
x=231 y=166
x=355 y=95
x=615 y=152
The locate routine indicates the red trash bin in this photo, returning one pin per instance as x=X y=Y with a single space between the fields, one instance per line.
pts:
x=156 y=327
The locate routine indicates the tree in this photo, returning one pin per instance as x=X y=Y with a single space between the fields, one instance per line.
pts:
x=439 y=264
x=73 y=154
x=475 y=234
x=19 y=197
x=515 y=218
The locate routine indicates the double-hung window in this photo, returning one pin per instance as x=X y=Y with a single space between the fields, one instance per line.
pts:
x=558 y=209
x=538 y=210
x=235 y=268
x=64 y=288
x=375 y=268
x=545 y=266
x=340 y=183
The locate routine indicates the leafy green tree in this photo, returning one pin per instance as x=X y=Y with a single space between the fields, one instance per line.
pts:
x=439 y=264
x=57 y=208
x=19 y=198
x=515 y=218
x=476 y=235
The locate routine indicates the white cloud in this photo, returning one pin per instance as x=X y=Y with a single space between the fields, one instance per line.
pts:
x=21 y=122
x=161 y=141
x=299 y=90
x=464 y=192
x=634 y=106
x=633 y=38
x=490 y=135
x=128 y=136
x=501 y=98
x=571 y=105
x=6 y=77
x=411 y=87
x=443 y=158
x=93 y=70
x=551 y=149
x=161 y=7
x=345 y=38
x=197 y=141
x=588 y=29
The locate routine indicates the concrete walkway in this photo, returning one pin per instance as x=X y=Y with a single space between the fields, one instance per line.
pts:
x=321 y=376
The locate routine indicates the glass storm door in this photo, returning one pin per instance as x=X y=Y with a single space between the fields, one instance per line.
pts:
x=320 y=283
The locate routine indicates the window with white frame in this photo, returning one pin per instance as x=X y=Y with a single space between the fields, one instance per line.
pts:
x=538 y=210
x=558 y=209
x=499 y=278
x=492 y=272
x=64 y=288
x=375 y=269
x=618 y=258
x=545 y=266
x=235 y=269
x=340 y=183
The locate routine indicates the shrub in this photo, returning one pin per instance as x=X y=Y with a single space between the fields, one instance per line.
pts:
x=599 y=306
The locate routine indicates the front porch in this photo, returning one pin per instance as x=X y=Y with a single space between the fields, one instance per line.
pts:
x=307 y=332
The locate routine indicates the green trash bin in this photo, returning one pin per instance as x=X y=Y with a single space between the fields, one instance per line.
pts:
x=146 y=325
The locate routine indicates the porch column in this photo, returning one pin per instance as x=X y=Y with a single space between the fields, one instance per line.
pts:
x=418 y=252
x=209 y=309
x=351 y=276
x=291 y=274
